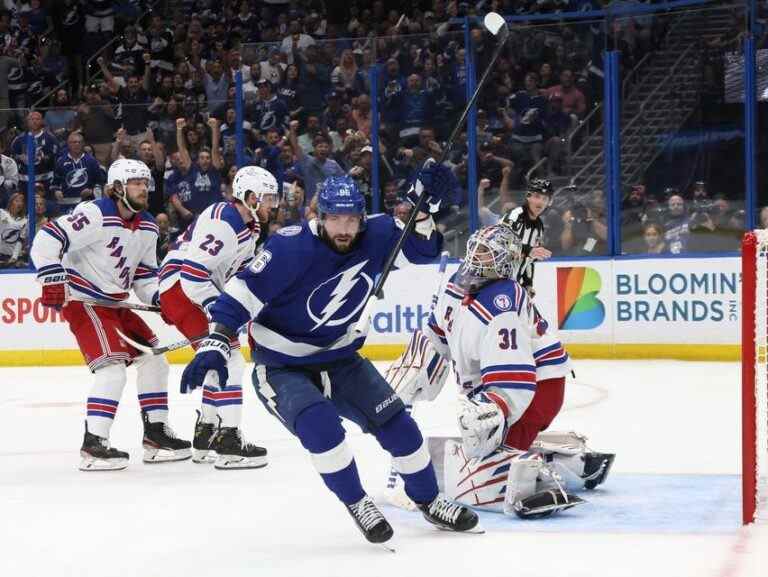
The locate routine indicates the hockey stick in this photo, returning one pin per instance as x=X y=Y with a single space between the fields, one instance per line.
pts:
x=119 y=305
x=392 y=479
x=497 y=26
x=159 y=350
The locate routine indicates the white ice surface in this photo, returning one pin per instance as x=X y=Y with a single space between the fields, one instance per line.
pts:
x=661 y=418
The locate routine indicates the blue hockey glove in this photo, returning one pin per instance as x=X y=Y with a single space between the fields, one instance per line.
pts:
x=211 y=355
x=439 y=183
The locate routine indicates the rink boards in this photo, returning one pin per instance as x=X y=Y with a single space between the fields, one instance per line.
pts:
x=683 y=308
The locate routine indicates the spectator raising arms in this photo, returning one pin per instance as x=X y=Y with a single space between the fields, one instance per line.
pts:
x=195 y=185
x=314 y=168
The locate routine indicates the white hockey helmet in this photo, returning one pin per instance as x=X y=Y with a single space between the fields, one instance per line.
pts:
x=253 y=179
x=123 y=170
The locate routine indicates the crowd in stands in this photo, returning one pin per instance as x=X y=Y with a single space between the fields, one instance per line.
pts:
x=163 y=91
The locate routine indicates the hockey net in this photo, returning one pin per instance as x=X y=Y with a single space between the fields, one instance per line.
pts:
x=754 y=376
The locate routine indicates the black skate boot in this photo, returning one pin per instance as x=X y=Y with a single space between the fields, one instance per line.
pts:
x=449 y=515
x=97 y=455
x=370 y=521
x=201 y=443
x=234 y=453
x=596 y=468
x=161 y=444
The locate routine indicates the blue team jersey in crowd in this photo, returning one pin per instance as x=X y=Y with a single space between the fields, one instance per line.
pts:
x=195 y=189
x=72 y=176
x=46 y=151
x=305 y=298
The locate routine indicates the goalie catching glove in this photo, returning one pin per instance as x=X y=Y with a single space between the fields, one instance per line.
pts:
x=482 y=425
x=419 y=373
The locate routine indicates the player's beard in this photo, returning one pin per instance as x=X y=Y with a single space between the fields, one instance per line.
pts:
x=342 y=243
x=137 y=203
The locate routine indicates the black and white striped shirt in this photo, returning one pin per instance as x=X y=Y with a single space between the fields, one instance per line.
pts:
x=529 y=232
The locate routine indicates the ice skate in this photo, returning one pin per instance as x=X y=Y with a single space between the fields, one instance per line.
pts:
x=201 y=443
x=162 y=445
x=97 y=455
x=232 y=452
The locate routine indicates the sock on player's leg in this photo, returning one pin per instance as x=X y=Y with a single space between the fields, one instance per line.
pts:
x=104 y=397
x=320 y=432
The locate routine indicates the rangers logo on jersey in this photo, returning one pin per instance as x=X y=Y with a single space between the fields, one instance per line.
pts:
x=338 y=299
x=502 y=302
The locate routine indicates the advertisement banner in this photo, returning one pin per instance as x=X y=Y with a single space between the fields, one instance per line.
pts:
x=643 y=303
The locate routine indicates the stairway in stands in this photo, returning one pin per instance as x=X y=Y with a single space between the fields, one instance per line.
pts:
x=657 y=99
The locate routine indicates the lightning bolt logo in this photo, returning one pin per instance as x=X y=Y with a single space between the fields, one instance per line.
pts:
x=266 y=390
x=345 y=283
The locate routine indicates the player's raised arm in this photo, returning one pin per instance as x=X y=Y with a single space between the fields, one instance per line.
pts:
x=425 y=243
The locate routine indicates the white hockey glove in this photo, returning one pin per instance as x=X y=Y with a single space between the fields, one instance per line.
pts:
x=419 y=373
x=482 y=426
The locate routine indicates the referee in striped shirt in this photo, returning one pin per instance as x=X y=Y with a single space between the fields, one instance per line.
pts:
x=526 y=223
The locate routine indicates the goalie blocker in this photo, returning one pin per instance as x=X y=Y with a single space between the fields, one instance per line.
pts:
x=510 y=370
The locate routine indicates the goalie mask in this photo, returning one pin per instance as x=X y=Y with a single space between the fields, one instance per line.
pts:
x=493 y=252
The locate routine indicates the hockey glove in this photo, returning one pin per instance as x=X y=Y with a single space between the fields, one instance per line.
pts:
x=482 y=424
x=54 y=281
x=211 y=356
x=438 y=181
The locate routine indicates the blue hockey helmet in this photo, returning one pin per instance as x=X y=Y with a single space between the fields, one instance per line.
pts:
x=340 y=195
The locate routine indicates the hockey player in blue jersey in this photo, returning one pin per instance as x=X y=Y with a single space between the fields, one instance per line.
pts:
x=305 y=291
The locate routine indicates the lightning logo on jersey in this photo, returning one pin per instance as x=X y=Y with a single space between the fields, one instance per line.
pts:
x=347 y=288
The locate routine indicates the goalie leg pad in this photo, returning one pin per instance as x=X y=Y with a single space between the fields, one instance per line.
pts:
x=479 y=483
x=535 y=490
x=420 y=372
x=568 y=454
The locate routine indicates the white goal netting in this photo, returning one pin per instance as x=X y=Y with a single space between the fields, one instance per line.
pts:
x=755 y=375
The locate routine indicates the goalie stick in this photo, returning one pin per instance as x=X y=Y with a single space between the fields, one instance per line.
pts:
x=392 y=478
x=496 y=25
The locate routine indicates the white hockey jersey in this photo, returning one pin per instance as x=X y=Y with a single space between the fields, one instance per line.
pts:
x=213 y=249
x=13 y=235
x=498 y=343
x=104 y=256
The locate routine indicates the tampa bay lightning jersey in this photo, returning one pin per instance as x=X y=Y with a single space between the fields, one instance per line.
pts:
x=305 y=298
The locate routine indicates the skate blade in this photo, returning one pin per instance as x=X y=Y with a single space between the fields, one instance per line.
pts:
x=90 y=464
x=476 y=530
x=152 y=455
x=203 y=457
x=387 y=547
x=224 y=462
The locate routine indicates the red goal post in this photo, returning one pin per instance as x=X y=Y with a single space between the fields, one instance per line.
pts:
x=754 y=375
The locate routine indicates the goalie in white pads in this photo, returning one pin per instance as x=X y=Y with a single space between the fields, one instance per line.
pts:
x=511 y=375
